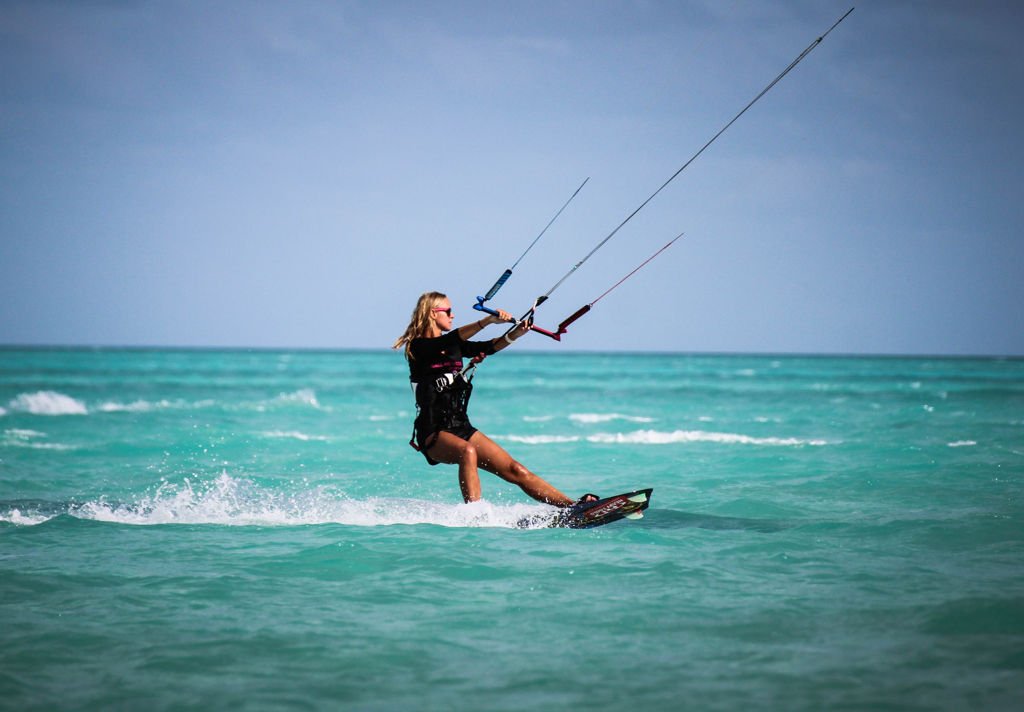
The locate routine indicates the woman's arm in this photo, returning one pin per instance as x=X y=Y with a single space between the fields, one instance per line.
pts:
x=499 y=343
x=468 y=331
x=505 y=341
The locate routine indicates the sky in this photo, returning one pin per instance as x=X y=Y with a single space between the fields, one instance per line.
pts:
x=295 y=175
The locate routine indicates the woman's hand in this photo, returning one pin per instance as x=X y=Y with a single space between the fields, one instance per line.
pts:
x=519 y=329
x=503 y=317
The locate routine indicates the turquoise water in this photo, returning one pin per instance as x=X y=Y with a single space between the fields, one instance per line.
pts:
x=250 y=530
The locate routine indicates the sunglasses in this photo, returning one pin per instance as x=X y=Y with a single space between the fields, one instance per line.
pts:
x=446 y=310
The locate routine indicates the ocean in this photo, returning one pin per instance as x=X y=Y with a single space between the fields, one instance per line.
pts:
x=202 y=529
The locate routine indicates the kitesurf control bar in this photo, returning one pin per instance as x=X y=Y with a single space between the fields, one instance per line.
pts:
x=562 y=327
x=479 y=306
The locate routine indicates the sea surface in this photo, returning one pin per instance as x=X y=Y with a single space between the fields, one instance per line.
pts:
x=250 y=530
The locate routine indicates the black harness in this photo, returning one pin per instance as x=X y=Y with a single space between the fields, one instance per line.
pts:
x=441 y=405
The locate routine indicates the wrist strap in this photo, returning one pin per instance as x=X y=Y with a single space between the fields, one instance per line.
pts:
x=508 y=340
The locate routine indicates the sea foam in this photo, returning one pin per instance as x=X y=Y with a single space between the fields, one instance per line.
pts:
x=304 y=396
x=655 y=437
x=48 y=403
x=231 y=501
x=20 y=437
x=295 y=435
x=138 y=406
x=23 y=519
x=590 y=418
x=539 y=439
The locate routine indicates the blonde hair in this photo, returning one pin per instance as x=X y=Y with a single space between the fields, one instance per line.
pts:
x=419 y=323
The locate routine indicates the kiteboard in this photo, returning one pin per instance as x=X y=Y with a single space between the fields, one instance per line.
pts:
x=584 y=515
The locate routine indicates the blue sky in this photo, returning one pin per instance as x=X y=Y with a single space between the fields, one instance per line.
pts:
x=295 y=174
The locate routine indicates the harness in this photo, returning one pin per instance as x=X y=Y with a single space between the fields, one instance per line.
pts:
x=444 y=402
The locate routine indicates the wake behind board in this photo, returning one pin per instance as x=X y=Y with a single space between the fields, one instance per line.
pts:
x=628 y=505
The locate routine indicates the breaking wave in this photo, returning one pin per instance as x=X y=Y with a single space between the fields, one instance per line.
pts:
x=48 y=403
x=54 y=403
x=655 y=437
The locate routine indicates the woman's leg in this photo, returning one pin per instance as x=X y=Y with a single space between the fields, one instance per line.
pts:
x=493 y=458
x=453 y=450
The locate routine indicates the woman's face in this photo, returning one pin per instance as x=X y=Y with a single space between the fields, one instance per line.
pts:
x=441 y=313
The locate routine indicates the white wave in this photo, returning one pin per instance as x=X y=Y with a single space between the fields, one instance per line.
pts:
x=48 y=403
x=3 y=411
x=962 y=443
x=304 y=396
x=27 y=519
x=142 y=406
x=390 y=512
x=295 y=434
x=23 y=434
x=539 y=439
x=238 y=502
x=591 y=418
x=655 y=437
x=538 y=418
x=139 y=406
x=36 y=445
x=17 y=437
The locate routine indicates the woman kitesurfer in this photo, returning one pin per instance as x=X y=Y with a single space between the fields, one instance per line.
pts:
x=442 y=431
